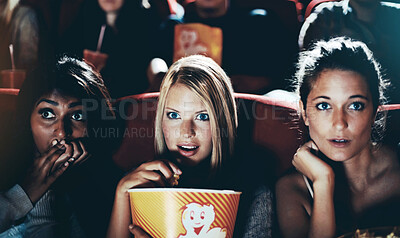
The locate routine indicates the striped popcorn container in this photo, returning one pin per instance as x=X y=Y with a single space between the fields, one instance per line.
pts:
x=184 y=213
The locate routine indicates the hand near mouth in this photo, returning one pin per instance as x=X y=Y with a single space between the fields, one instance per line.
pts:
x=309 y=164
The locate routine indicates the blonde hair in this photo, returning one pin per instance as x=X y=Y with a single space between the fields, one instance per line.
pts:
x=210 y=83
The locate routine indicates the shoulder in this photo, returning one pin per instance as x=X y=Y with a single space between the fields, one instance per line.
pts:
x=293 y=182
x=291 y=190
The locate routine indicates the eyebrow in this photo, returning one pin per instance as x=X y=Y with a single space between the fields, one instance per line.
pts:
x=359 y=96
x=351 y=97
x=74 y=104
x=324 y=97
x=204 y=110
x=48 y=101
x=171 y=109
x=71 y=105
x=201 y=111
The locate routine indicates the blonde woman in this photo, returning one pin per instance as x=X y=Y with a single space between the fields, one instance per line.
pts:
x=196 y=126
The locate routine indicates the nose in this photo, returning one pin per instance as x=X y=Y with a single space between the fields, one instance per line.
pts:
x=187 y=129
x=62 y=129
x=339 y=120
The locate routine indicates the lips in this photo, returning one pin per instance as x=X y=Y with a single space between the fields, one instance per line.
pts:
x=187 y=150
x=339 y=142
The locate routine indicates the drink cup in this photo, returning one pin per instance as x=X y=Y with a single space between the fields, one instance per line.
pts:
x=184 y=213
x=12 y=78
x=97 y=58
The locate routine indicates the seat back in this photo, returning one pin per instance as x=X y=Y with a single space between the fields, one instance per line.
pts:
x=8 y=105
x=313 y=4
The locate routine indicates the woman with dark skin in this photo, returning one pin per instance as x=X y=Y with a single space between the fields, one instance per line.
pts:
x=54 y=133
x=345 y=180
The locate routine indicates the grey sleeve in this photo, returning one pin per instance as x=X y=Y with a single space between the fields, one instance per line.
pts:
x=14 y=205
x=259 y=221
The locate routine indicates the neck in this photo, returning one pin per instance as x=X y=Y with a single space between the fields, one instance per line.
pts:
x=360 y=169
x=111 y=18
x=366 y=11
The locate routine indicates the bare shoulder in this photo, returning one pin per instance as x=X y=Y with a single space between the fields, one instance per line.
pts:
x=292 y=182
x=291 y=190
x=293 y=205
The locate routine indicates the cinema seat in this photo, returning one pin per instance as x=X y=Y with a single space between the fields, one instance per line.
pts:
x=8 y=104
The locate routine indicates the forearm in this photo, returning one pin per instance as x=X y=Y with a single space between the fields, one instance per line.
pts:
x=120 y=216
x=322 y=223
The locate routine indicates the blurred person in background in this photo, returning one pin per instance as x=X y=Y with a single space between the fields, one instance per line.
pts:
x=127 y=41
x=19 y=26
x=373 y=22
x=257 y=51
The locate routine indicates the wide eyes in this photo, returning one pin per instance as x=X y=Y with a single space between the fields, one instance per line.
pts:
x=201 y=116
x=47 y=113
x=323 y=106
x=77 y=116
x=173 y=115
x=356 y=106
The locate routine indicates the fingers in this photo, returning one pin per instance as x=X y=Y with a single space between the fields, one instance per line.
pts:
x=138 y=232
x=151 y=174
x=63 y=158
x=81 y=154
x=166 y=168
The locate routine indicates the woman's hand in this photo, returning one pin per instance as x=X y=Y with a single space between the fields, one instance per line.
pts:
x=75 y=153
x=322 y=221
x=45 y=171
x=310 y=165
x=138 y=232
x=150 y=174
x=50 y=165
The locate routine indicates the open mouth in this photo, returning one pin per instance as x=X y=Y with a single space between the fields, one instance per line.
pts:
x=339 y=142
x=188 y=150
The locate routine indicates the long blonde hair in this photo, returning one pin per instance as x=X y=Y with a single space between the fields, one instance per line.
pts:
x=209 y=82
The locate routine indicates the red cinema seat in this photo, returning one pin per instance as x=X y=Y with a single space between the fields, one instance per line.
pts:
x=313 y=4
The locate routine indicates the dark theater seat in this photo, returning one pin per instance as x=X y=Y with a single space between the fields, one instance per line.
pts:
x=8 y=104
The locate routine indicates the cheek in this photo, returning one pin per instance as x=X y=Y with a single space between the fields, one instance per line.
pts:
x=41 y=136
x=79 y=131
x=169 y=133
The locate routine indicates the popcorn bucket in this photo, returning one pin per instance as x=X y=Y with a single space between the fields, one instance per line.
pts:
x=184 y=213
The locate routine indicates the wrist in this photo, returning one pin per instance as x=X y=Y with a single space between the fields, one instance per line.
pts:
x=325 y=183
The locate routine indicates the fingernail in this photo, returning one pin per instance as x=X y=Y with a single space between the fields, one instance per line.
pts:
x=66 y=164
x=72 y=159
x=54 y=142
x=62 y=142
x=130 y=226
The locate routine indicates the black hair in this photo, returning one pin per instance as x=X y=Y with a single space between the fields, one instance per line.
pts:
x=67 y=76
x=342 y=53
